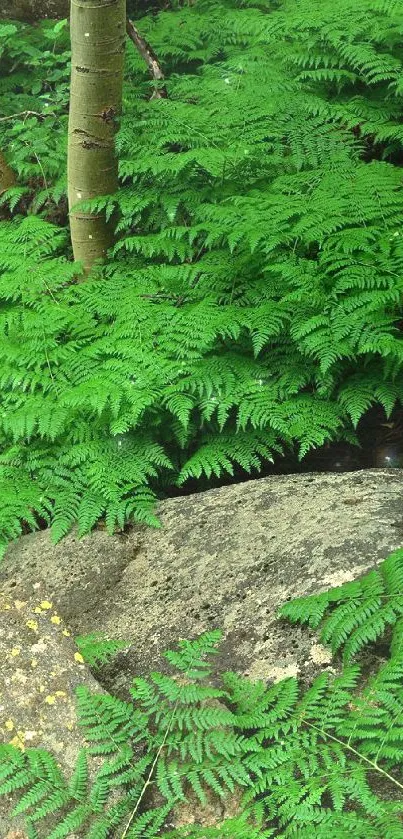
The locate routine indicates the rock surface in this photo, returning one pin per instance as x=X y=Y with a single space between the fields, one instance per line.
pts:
x=226 y=558
x=40 y=669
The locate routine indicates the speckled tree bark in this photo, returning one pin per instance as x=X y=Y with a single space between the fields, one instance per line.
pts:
x=98 y=31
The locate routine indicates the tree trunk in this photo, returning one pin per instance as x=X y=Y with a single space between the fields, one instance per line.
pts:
x=7 y=176
x=98 y=32
x=32 y=10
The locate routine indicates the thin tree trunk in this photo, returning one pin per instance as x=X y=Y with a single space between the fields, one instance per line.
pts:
x=7 y=176
x=98 y=31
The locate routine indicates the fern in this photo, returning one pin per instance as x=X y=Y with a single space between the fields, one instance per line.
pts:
x=296 y=762
x=252 y=303
x=357 y=613
x=34 y=85
x=96 y=649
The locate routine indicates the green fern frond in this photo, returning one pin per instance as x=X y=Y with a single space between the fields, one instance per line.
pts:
x=96 y=649
x=356 y=613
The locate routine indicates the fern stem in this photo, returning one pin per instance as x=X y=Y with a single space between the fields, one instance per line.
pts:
x=354 y=751
x=147 y=782
x=395 y=718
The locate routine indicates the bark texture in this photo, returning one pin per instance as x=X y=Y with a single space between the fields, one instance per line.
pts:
x=7 y=176
x=98 y=32
x=33 y=10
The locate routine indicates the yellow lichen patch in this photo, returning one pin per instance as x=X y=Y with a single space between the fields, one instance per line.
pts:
x=19 y=676
x=45 y=604
x=18 y=740
x=37 y=610
x=39 y=647
x=50 y=699
x=6 y=607
x=9 y=725
x=15 y=651
x=78 y=657
x=60 y=693
x=66 y=633
x=34 y=662
x=31 y=624
x=41 y=688
x=55 y=619
x=320 y=655
x=19 y=604
x=59 y=747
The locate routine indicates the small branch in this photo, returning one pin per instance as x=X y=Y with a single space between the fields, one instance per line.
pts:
x=160 y=296
x=148 y=54
x=26 y=114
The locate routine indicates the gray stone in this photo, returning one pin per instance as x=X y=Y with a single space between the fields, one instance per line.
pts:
x=40 y=668
x=226 y=558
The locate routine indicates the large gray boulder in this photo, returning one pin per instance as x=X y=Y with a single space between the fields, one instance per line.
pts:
x=226 y=558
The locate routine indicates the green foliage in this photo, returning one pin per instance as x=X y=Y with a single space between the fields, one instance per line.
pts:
x=96 y=649
x=296 y=763
x=356 y=613
x=253 y=300
x=34 y=94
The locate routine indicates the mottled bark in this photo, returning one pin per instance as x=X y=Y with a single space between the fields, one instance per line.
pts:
x=98 y=31
x=7 y=176
x=32 y=10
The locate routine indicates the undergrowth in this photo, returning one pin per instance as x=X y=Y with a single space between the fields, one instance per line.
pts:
x=252 y=303
x=296 y=763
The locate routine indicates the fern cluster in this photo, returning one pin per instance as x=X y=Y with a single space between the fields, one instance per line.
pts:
x=358 y=612
x=296 y=763
x=34 y=95
x=252 y=302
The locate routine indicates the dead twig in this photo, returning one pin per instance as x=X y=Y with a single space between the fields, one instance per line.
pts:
x=148 y=54
x=27 y=114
